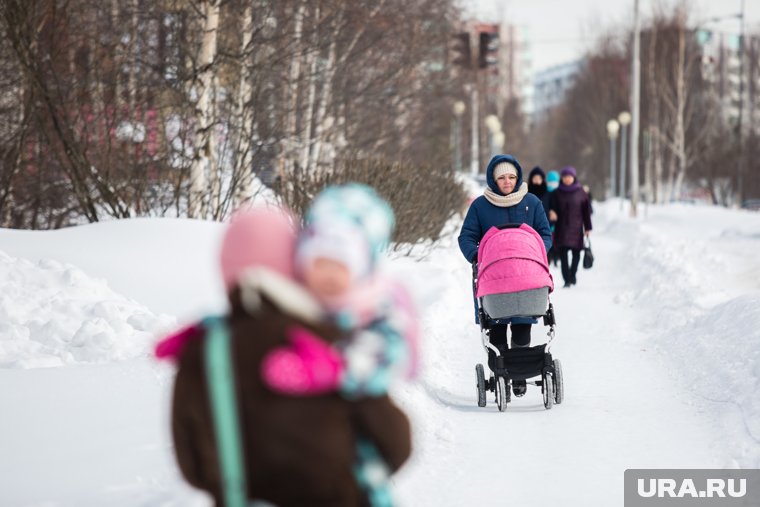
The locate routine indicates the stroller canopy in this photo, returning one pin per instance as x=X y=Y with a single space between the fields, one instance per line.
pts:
x=512 y=259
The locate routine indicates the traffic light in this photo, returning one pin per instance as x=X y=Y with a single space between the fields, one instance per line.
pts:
x=460 y=50
x=488 y=48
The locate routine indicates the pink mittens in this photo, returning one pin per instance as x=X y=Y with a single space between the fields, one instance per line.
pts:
x=309 y=367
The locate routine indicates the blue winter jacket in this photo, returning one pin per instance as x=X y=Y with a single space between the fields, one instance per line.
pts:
x=483 y=215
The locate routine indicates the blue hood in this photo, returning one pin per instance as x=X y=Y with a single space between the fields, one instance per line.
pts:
x=489 y=172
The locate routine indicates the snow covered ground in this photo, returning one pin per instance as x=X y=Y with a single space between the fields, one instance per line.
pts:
x=660 y=344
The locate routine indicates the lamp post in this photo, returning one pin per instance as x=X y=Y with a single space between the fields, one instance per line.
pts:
x=458 y=110
x=624 y=119
x=740 y=178
x=612 y=132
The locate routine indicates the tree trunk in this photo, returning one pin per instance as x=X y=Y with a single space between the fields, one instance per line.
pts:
x=215 y=171
x=244 y=115
x=116 y=57
x=680 y=132
x=203 y=162
x=132 y=60
x=292 y=90
x=654 y=160
x=309 y=115
x=323 y=123
x=659 y=194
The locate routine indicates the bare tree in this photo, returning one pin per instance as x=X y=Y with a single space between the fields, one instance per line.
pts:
x=175 y=106
x=686 y=111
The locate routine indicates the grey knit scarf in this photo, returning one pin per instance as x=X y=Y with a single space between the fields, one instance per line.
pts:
x=505 y=201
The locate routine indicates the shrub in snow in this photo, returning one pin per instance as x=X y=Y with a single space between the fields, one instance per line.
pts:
x=423 y=198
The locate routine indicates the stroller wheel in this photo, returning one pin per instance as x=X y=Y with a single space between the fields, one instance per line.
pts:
x=559 y=384
x=481 y=385
x=501 y=394
x=547 y=387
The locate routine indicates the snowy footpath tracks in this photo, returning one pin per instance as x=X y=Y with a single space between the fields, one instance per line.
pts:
x=621 y=410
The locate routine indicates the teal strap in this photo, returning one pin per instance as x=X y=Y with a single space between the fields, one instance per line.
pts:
x=221 y=387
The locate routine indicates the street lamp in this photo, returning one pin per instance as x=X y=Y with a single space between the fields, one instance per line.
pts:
x=624 y=119
x=740 y=183
x=635 y=106
x=458 y=109
x=492 y=123
x=612 y=132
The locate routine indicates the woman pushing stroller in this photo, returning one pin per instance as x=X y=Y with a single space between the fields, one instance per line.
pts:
x=505 y=201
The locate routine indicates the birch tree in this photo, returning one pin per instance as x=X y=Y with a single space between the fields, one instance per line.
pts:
x=246 y=133
x=204 y=159
x=685 y=115
x=288 y=145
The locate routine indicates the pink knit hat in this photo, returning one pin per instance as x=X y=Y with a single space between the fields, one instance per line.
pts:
x=259 y=237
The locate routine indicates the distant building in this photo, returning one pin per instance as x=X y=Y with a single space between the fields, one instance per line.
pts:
x=721 y=67
x=550 y=86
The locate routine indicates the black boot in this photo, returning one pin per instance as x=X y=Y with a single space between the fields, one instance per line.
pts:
x=521 y=335
x=519 y=387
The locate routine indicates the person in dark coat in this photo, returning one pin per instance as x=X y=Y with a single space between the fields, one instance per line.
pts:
x=571 y=207
x=537 y=186
x=506 y=200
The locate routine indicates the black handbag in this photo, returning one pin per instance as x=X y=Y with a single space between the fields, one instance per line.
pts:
x=588 y=256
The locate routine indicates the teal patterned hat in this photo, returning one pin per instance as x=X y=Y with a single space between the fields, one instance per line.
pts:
x=356 y=210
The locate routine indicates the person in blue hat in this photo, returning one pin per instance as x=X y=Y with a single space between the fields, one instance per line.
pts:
x=552 y=182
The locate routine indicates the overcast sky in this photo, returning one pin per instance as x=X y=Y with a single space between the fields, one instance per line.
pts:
x=561 y=30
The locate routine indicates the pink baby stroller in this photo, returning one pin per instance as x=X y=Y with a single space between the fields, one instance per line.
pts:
x=512 y=279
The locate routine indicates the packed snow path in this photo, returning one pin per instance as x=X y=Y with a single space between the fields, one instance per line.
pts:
x=660 y=371
x=621 y=409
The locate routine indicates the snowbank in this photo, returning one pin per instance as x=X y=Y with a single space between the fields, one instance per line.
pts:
x=718 y=356
x=170 y=265
x=53 y=314
x=693 y=274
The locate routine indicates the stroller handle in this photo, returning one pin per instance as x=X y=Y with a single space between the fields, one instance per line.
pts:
x=508 y=226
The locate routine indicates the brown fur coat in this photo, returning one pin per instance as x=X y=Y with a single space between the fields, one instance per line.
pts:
x=297 y=450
